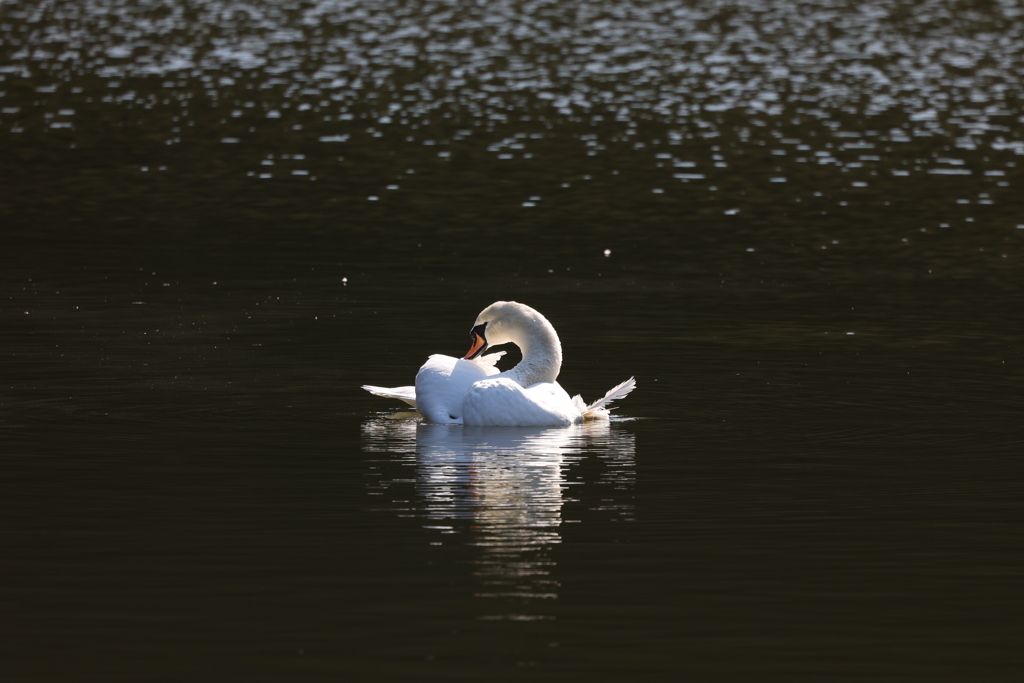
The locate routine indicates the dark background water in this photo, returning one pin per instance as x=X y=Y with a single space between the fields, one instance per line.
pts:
x=799 y=225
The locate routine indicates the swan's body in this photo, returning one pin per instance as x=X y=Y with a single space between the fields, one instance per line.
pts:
x=472 y=391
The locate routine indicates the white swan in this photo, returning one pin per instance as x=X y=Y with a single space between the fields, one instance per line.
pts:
x=471 y=391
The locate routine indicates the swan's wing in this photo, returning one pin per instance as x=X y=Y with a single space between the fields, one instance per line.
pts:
x=597 y=410
x=441 y=384
x=407 y=394
x=446 y=380
x=489 y=360
x=502 y=402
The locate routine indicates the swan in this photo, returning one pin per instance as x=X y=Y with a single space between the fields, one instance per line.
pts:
x=471 y=391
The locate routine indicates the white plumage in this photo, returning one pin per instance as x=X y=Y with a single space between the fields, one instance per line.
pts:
x=471 y=391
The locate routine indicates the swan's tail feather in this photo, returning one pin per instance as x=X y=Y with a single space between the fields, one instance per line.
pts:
x=597 y=410
x=407 y=394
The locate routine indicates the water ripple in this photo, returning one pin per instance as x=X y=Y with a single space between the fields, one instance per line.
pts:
x=933 y=65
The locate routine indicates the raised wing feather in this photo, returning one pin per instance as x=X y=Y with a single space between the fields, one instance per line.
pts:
x=597 y=410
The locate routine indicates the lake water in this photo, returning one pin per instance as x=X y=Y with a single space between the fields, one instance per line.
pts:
x=799 y=225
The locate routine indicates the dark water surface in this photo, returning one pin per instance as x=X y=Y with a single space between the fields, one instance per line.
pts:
x=800 y=225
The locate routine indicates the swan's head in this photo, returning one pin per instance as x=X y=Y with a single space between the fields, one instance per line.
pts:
x=503 y=322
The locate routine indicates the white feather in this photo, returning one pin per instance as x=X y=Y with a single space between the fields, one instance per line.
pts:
x=597 y=410
x=407 y=394
x=490 y=359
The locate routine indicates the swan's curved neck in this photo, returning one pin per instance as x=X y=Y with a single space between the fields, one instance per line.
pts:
x=542 y=356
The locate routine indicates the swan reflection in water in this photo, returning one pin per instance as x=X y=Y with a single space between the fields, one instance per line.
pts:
x=510 y=485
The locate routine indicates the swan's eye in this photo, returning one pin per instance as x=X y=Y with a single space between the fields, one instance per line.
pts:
x=478 y=331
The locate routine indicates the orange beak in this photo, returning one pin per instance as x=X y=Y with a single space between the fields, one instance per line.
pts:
x=479 y=342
